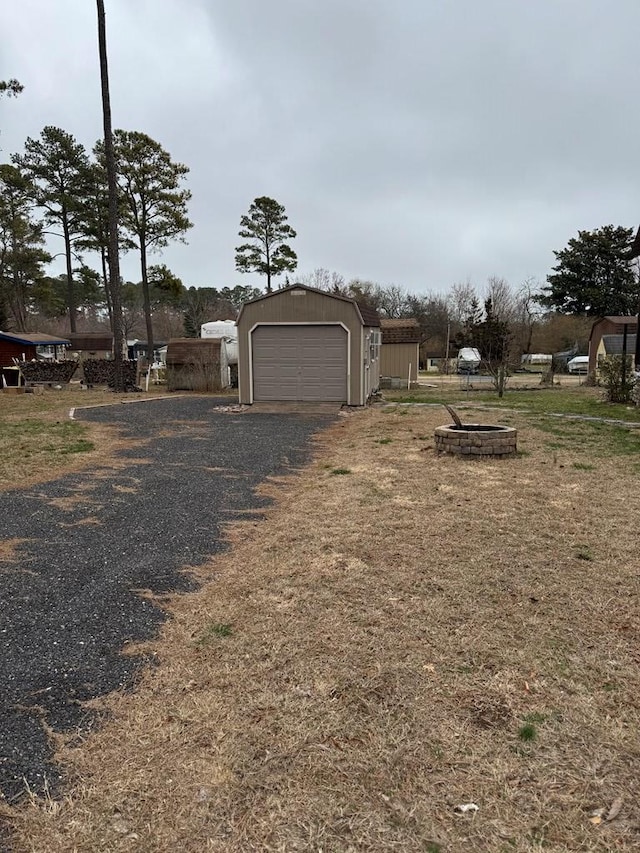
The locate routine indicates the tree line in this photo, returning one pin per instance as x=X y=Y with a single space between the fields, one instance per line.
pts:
x=55 y=189
x=55 y=192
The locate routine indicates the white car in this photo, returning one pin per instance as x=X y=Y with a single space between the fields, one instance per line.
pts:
x=578 y=364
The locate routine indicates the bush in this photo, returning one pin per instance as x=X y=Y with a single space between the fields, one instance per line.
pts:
x=618 y=388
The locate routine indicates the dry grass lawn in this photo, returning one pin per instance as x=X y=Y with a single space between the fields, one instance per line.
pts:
x=396 y=640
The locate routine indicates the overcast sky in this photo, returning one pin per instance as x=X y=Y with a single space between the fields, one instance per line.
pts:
x=415 y=142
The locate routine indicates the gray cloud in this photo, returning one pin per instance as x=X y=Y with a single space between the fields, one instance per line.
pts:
x=416 y=142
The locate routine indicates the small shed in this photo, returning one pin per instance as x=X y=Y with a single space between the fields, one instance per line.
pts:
x=308 y=345
x=197 y=364
x=610 y=325
x=400 y=352
x=24 y=346
x=92 y=344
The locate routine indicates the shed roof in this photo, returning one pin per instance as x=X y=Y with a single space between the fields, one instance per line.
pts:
x=91 y=341
x=368 y=315
x=405 y=331
x=624 y=319
x=32 y=339
x=613 y=344
x=617 y=319
x=182 y=351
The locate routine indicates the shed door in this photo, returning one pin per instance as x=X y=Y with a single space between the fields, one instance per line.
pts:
x=299 y=363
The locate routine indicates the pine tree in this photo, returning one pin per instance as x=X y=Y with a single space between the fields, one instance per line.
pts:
x=266 y=227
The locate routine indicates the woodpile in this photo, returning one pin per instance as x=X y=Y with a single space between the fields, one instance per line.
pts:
x=48 y=372
x=100 y=371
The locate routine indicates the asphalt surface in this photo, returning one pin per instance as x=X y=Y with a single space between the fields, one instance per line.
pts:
x=71 y=602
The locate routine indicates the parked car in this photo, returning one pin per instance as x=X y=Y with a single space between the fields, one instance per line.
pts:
x=578 y=364
x=468 y=360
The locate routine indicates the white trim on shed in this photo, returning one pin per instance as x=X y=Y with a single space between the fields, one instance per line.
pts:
x=306 y=323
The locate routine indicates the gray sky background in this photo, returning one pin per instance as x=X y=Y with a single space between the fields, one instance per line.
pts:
x=415 y=142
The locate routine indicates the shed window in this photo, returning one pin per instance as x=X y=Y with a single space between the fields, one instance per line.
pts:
x=374 y=344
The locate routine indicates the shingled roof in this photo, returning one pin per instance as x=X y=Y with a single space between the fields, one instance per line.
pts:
x=34 y=339
x=405 y=331
x=613 y=344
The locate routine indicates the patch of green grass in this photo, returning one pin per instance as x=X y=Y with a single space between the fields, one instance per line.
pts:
x=592 y=438
x=339 y=471
x=213 y=631
x=384 y=440
x=79 y=446
x=35 y=438
x=583 y=552
x=527 y=732
x=580 y=400
x=535 y=717
x=583 y=466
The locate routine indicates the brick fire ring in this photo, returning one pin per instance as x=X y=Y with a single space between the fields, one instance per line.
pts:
x=476 y=440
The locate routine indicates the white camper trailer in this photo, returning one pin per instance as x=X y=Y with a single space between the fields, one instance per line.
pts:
x=219 y=329
x=227 y=332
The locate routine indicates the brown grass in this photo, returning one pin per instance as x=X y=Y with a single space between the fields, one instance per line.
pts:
x=9 y=549
x=375 y=654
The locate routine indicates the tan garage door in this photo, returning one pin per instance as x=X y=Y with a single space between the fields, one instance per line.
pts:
x=299 y=363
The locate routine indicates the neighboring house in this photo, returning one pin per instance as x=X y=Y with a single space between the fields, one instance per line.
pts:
x=612 y=345
x=400 y=352
x=25 y=346
x=611 y=325
x=138 y=349
x=433 y=361
x=92 y=344
x=303 y=344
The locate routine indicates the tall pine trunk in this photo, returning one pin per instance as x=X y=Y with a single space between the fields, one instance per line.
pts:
x=105 y=283
x=71 y=302
x=146 y=298
x=112 y=192
x=268 y=269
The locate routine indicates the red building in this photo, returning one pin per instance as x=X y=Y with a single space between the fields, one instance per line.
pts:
x=611 y=325
x=23 y=347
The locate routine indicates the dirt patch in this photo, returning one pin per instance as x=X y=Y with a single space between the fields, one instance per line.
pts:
x=417 y=633
x=8 y=549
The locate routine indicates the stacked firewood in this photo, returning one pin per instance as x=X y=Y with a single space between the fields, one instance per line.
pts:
x=99 y=371
x=48 y=372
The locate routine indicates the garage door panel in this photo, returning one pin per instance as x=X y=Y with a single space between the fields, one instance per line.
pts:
x=307 y=363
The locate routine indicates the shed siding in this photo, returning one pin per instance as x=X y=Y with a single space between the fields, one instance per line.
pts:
x=312 y=307
x=396 y=358
x=10 y=350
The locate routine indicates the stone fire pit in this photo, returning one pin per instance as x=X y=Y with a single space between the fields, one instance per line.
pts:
x=475 y=439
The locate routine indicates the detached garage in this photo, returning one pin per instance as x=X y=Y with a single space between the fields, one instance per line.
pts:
x=302 y=344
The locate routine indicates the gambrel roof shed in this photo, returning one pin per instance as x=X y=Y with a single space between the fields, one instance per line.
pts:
x=303 y=344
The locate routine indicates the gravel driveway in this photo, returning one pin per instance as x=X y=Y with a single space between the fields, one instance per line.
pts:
x=69 y=605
